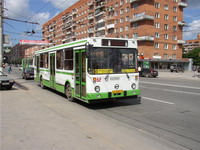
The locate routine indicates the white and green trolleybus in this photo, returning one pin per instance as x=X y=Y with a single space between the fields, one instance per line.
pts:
x=92 y=69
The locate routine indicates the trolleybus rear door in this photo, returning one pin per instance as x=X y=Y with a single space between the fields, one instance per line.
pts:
x=80 y=74
x=52 y=70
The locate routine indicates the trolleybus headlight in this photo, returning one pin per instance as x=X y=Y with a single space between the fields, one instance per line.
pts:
x=133 y=86
x=97 y=89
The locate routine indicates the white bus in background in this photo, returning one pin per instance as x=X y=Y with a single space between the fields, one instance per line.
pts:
x=91 y=70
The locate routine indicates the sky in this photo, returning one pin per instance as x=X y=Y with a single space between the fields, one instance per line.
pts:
x=40 y=11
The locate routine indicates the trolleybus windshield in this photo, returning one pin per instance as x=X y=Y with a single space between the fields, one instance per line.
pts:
x=112 y=60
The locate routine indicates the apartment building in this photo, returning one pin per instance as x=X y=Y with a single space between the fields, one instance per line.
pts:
x=191 y=44
x=156 y=24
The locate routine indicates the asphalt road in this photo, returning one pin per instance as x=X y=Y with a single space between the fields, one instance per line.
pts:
x=168 y=118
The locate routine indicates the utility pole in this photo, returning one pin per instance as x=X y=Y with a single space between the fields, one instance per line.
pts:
x=1 y=35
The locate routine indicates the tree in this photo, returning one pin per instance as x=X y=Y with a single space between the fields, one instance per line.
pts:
x=195 y=55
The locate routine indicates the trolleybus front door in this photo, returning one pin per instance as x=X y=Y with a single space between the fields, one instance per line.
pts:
x=80 y=74
x=52 y=70
x=37 y=68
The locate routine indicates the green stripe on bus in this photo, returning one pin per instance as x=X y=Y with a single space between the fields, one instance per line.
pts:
x=61 y=46
x=66 y=73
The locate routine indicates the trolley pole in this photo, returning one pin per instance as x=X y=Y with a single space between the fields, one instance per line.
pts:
x=1 y=35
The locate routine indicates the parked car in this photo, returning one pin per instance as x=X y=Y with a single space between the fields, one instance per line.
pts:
x=28 y=73
x=176 y=68
x=148 y=72
x=5 y=82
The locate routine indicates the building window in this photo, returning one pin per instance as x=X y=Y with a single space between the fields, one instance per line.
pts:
x=157 y=5
x=127 y=28
x=121 y=20
x=174 y=37
x=135 y=35
x=174 y=56
x=166 y=17
x=121 y=2
x=175 y=1
x=166 y=46
x=157 y=25
x=166 y=7
x=135 y=25
x=175 y=9
x=127 y=18
x=166 y=26
x=127 y=36
x=166 y=36
x=175 y=18
x=157 y=35
x=134 y=6
x=127 y=9
x=156 y=45
x=156 y=54
x=116 y=21
x=121 y=11
x=157 y=15
x=116 y=4
x=121 y=29
x=165 y=56
x=174 y=28
x=174 y=47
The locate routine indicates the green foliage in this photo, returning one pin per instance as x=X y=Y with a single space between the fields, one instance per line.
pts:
x=195 y=55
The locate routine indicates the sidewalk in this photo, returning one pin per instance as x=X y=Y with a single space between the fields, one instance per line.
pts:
x=186 y=75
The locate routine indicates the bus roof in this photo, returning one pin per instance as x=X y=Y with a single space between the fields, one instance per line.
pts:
x=95 y=41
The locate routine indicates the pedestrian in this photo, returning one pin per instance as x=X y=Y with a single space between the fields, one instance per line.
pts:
x=194 y=69
x=139 y=70
x=9 y=69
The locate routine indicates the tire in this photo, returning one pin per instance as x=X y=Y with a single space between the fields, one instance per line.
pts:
x=41 y=84
x=68 y=93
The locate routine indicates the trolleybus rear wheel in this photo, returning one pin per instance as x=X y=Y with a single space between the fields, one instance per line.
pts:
x=68 y=92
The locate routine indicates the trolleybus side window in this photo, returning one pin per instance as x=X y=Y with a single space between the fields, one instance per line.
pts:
x=59 y=59
x=68 y=59
x=46 y=60
x=41 y=60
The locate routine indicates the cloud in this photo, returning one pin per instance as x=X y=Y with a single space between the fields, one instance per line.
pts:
x=192 y=30
x=17 y=9
x=193 y=4
x=62 y=4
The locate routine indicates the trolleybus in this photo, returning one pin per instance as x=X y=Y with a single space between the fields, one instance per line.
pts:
x=92 y=69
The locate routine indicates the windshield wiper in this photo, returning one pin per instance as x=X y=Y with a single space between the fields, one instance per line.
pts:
x=127 y=75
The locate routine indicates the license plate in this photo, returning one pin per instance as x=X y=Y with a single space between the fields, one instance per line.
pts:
x=117 y=91
x=5 y=83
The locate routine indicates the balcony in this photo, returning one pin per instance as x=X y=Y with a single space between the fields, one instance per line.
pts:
x=110 y=26
x=101 y=28
x=182 y=3
x=91 y=30
x=131 y=1
x=145 y=38
x=142 y=16
x=100 y=13
x=182 y=23
x=181 y=42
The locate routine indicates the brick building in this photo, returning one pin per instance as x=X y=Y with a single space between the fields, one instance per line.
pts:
x=157 y=24
x=191 y=44
x=18 y=52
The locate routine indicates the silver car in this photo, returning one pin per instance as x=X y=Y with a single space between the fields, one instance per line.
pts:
x=5 y=82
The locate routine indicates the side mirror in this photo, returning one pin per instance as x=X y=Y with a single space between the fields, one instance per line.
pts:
x=88 y=48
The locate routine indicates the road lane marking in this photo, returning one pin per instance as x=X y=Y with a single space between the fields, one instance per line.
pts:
x=156 y=100
x=189 y=87
x=184 y=92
